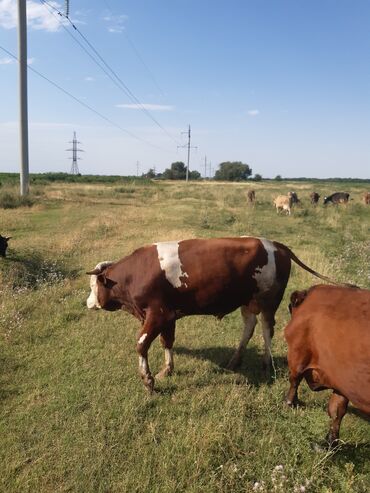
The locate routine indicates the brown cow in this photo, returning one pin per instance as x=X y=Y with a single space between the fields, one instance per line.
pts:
x=163 y=282
x=366 y=198
x=251 y=196
x=314 y=198
x=329 y=345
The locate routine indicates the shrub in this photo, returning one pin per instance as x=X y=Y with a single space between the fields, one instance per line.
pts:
x=10 y=200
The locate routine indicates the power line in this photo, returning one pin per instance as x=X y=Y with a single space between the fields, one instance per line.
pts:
x=121 y=85
x=111 y=122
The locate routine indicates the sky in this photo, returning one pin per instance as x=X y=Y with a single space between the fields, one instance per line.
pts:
x=281 y=85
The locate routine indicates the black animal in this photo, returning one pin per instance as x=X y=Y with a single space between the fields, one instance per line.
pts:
x=294 y=197
x=4 y=244
x=337 y=198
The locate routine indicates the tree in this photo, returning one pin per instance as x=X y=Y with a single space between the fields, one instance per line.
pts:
x=150 y=173
x=278 y=178
x=194 y=175
x=176 y=172
x=233 y=171
x=257 y=177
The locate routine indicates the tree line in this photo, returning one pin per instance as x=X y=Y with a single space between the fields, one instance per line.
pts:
x=228 y=171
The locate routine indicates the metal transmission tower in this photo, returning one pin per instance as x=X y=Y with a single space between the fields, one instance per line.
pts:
x=188 y=147
x=75 y=150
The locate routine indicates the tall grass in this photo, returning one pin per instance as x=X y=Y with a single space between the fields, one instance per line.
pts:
x=73 y=413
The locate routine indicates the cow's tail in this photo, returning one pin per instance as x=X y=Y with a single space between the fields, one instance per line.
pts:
x=305 y=267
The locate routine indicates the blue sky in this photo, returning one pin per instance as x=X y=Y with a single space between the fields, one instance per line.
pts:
x=281 y=85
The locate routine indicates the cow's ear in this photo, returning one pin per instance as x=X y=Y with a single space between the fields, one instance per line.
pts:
x=296 y=299
x=108 y=283
x=8 y=238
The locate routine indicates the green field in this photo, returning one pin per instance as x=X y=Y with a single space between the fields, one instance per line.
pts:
x=74 y=414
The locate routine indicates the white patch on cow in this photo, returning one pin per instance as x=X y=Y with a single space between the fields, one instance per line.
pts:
x=266 y=275
x=143 y=366
x=92 y=300
x=142 y=338
x=168 y=357
x=169 y=260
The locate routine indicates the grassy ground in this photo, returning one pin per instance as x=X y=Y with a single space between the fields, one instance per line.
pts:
x=74 y=414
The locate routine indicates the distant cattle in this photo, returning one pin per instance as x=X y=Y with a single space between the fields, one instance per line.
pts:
x=314 y=198
x=294 y=197
x=4 y=244
x=251 y=196
x=366 y=198
x=329 y=345
x=283 y=203
x=163 y=282
x=337 y=198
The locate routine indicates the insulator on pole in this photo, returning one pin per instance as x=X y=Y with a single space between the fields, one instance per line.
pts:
x=67 y=7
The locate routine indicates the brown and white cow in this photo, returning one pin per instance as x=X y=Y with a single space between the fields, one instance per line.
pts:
x=163 y=282
x=329 y=345
x=283 y=203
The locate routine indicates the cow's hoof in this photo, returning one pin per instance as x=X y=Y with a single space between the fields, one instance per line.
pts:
x=234 y=363
x=165 y=372
x=148 y=381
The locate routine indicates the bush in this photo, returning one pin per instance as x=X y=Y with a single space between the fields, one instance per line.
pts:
x=10 y=200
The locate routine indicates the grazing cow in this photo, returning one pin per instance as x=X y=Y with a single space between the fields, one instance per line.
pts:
x=294 y=197
x=4 y=244
x=366 y=198
x=329 y=345
x=251 y=196
x=163 y=282
x=314 y=198
x=337 y=198
x=283 y=203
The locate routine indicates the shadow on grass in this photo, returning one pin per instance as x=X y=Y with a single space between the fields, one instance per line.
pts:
x=251 y=366
x=356 y=453
x=30 y=269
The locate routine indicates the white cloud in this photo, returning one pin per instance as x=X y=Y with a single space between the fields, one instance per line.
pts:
x=9 y=61
x=6 y=61
x=116 y=23
x=38 y=16
x=147 y=106
x=253 y=112
x=89 y=79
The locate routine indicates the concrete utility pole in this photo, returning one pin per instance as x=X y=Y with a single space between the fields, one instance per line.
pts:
x=205 y=167
x=189 y=147
x=137 y=168
x=22 y=63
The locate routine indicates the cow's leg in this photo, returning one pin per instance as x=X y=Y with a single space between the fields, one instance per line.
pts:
x=249 y=320
x=150 y=330
x=167 y=339
x=292 y=395
x=268 y=323
x=337 y=408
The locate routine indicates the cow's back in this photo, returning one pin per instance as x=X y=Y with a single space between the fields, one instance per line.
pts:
x=205 y=276
x=331 y=331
